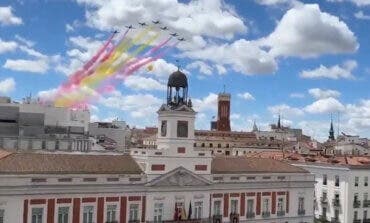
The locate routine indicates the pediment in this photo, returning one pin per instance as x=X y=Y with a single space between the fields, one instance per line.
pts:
x=180 y=177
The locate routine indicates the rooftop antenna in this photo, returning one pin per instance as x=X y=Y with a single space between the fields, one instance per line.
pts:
x=224 y=88
x=178 y=64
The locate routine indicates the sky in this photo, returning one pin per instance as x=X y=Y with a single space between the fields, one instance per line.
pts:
x=307 y=60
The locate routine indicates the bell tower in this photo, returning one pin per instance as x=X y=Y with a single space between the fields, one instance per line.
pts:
x=176 y=118
x=223 y=116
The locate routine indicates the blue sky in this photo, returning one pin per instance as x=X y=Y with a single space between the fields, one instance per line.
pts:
x=304 y=59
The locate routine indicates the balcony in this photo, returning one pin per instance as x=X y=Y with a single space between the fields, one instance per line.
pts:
x=322 y=218
x=356 y=220
x=251 y=215
x=366 y=203
x=280 y=213
x=356 y=204
x=217 y=218
x=202 y=220
x=336 y=203
x=111 y=222
x=266 y=214
x=133 y=221
x=366 y=220
x=301 y=212
x=324 y=200
x=334 y=220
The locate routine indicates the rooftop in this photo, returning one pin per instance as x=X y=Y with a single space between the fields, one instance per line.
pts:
x=54 y=163
x=241 y=164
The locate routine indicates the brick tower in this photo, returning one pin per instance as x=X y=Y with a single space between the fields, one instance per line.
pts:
x=223 y=117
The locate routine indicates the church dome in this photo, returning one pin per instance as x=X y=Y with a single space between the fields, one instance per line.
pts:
x=177 y=79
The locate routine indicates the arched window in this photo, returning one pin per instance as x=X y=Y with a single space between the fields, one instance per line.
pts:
x=211 y=145
x=219 y=145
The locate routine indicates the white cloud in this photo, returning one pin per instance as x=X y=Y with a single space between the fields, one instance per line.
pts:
x=246 y=96
x=203 y=67
x=138 y=105
x=47 y=95
x=306 y=31
x=162 y=69
x=243 y=56
x=277 y=2
x=285 y=110
x=334 y=72
x=25 y=41
x=325 y=105
x=8 y=18
x=358 y=3
x=296 y=95
x=359 y=115
x=7 y=46
x=33 y=66
x=318 y=93
x=208 y=18
x=7 y=85
x=361 y=15
x=142 y=83
x=220 y=69
x=207 y=103
x=69 y=28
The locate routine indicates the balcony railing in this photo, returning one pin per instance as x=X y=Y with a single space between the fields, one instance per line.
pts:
x=111 y=222
x=366 y=220
x=301 y=212
x=334 y=220
x=202 y=220
x=217 y=218
x=356 y=204
x=324 y=200
x=280 y=213
x=251 y=215
x=133 y=221
x=366 y=203
x=336 y=202
x=266 y=214
x=356 y=220
x=323 y=218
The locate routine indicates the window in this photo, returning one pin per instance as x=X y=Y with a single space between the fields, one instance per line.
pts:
x=280 y=205
x=250 y=206
x=266 y=205
x=203 y=144
x=2 y=215
x=365 y=196
x=300 y=203
x=336 y=180
x=134 y=212
x=217 y=207
x=111 y=212
x=63 y=213
x=324 y=179
x=37 y=215
x=324 y=212
x=88 y=214
x=336 y=214
x=158 y=212
x=198 y=208
x=355 y=215
x=182 y=129
x=366 y=179
x=356 y=181
x=219 y=145
x=164 y=128
x=365 y=215
x=355 y=198
x=324 y=196
x=234 y=206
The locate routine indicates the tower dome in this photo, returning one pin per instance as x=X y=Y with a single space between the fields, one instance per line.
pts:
x=177 y=89
x=178 y=80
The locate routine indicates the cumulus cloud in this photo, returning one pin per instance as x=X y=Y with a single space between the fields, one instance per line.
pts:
x=33 y=66
x=306 y=31
x=318 y=93
x=137 y=105
x=285 y=109
x=191 y=18
x=246 y=96
x=7 y=46
x=277 y=2
x=202 y=66
x=361 y=15
x=243 y=56
x=25 y=41
x=206 y=103
x=335 y=72
x=143 y=83
x=7 y=85
x=325 y=105
x=8 y=18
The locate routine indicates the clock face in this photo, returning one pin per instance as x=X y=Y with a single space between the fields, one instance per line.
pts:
x=164 y=128
x=182 y=129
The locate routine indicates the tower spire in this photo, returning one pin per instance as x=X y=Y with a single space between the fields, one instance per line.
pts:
x=279 y=123
x=331 y=131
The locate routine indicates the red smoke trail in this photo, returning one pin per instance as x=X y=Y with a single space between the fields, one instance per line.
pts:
x=113 y=48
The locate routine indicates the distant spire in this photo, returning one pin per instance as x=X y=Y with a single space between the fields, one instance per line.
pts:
x=279 y=124
x=255 y=128
x=331 y=131
x=178 y=64
x=224 y=88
